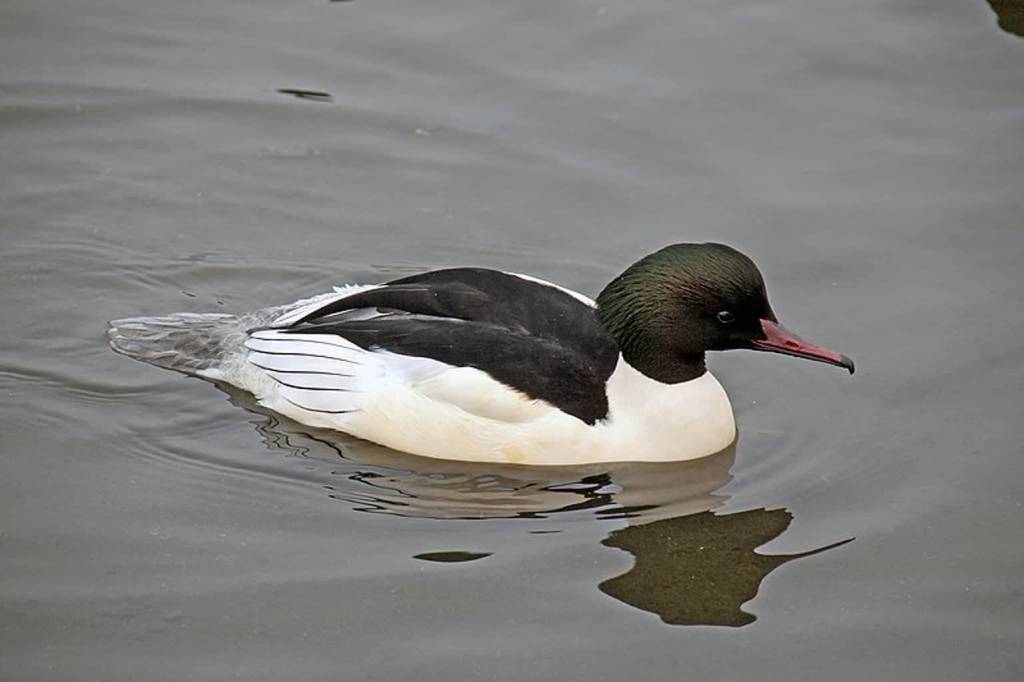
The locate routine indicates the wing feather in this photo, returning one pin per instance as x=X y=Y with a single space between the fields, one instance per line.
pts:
x=300 y=363
x=463 y=333
x=326 y=347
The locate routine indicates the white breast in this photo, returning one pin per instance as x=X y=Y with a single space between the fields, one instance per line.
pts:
x=652 y=421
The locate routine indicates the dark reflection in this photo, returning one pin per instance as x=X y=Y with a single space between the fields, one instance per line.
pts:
x=451 y=557
x=1011 y=15
x=315 y=95
x=700 y=569
x=692 y=566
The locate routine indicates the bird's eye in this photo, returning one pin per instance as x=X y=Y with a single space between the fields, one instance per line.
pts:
x=725 y=317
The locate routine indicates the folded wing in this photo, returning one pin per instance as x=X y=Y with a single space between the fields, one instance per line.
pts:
x=540 y=340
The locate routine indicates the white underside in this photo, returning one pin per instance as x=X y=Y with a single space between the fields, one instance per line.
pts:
x=429 y=408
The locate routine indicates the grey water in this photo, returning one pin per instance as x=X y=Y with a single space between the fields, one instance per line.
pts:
x=224 y=156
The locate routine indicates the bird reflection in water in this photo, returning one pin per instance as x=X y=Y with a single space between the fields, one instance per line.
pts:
x=700 y=569
x=1010 y=14
x=692 y=566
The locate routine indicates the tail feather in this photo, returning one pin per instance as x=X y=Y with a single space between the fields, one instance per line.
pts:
x=191 y=343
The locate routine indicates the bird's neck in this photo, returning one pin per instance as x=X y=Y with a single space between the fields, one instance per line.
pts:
x=666 y=367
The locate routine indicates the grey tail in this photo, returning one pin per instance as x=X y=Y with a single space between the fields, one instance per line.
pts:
x=185 y=342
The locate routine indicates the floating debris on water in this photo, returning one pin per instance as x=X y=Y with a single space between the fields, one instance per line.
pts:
x=315 y=95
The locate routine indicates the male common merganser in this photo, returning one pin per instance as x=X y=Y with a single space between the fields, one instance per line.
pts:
x=481 y=365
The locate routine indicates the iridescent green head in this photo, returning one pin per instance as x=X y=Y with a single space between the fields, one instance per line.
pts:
x=667 y=309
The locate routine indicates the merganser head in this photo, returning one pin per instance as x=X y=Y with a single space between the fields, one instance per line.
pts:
x=670 y=307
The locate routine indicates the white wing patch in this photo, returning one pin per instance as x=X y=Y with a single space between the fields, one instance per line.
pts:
x=317 y=373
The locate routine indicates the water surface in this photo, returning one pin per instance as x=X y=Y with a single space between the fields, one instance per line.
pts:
x=159 y=157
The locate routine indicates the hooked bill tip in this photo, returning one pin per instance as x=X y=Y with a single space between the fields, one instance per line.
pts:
x=848 y=364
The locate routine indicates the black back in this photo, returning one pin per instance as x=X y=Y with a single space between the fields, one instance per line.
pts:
x=529 y=336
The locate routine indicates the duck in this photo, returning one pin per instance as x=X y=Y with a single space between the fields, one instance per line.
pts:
x=482 y=365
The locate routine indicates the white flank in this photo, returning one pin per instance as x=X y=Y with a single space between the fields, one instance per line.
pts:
x=430 y=408
x=464 y=414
